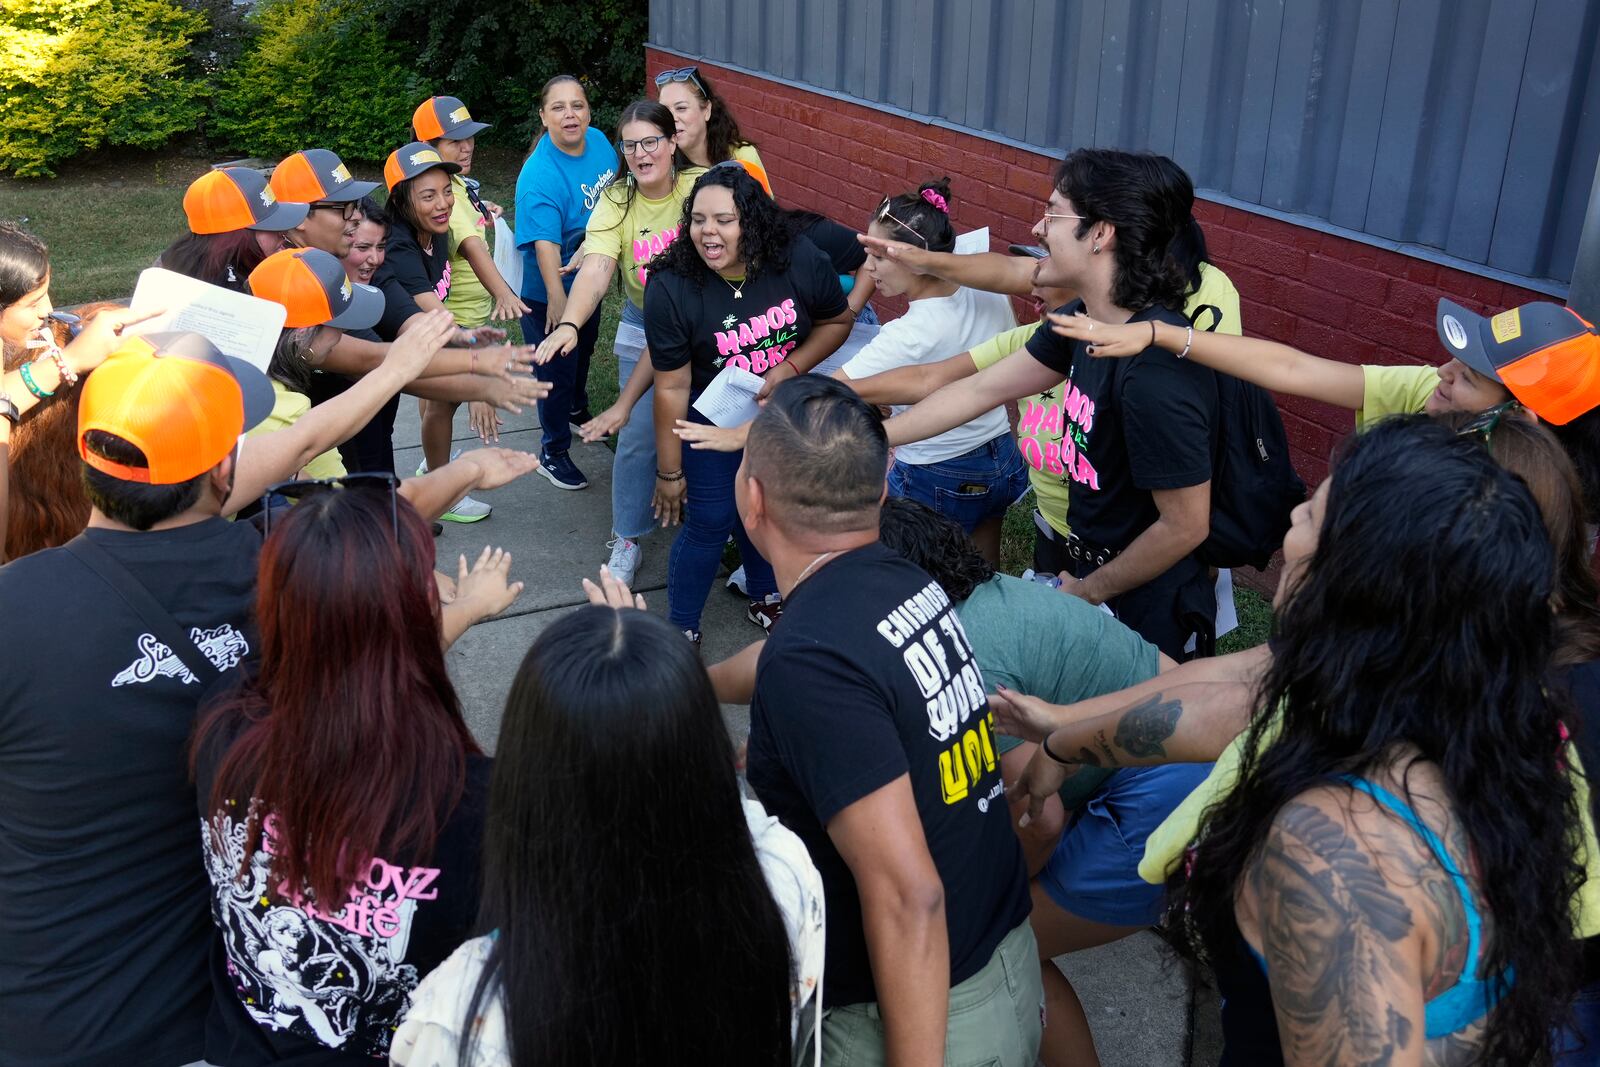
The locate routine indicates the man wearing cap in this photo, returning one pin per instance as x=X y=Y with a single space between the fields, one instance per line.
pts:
x=319 y=179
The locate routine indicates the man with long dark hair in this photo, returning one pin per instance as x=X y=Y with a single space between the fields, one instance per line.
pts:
x=871 y=740
x=1139 y=439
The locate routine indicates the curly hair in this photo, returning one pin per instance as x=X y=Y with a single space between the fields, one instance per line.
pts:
x=911 y=217
x=765 y=237
x=936 y=544
x=1148 y=199
x=1422 y=621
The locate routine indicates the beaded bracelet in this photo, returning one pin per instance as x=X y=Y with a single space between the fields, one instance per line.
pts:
x=33 y=386
x=68 y=375
x=675 y=476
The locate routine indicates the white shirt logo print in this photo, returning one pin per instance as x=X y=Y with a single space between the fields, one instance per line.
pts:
x=223 y=646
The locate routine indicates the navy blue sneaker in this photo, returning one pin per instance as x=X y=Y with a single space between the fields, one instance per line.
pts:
x=561 y=471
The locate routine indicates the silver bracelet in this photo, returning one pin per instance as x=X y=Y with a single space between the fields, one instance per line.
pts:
x=1188 y=343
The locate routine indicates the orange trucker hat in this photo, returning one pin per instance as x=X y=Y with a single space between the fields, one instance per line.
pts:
x=226 y=199
x=316 y=175
x=177 y=399
x=1546 y=354
x=447 y=117
x=312 y=286
x=412 y=160
x=755 y=170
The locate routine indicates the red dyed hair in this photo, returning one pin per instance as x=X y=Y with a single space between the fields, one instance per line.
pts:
x=350 y=734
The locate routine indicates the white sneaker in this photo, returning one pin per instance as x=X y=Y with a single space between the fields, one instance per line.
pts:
x=737 y=584
x=624 y=561
x=467 y=510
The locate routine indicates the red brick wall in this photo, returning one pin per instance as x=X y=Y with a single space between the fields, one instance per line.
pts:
x=1328 y=295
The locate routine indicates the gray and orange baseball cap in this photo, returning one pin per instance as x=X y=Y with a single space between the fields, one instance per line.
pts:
x=1545 y=354
x=316 y=175
x=312 y=286
x=447 y=117
x=415 y=158
x=177 y=399
x=226 y=199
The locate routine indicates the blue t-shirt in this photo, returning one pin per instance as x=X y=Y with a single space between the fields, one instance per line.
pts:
x=555 y=194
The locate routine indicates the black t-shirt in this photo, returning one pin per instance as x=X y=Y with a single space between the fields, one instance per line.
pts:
x=294 y=985
x=700 y=322
x=103 y=929
x=838 y=243
x=1132 y=425
x=371 y=448
x=408 y=272
x=871 y=677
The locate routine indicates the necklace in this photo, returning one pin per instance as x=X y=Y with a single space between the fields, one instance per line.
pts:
x=738 y=290
x=813 y=563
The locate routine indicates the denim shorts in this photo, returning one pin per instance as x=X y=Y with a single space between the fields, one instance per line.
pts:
x=968 y=489
x=1094 y=871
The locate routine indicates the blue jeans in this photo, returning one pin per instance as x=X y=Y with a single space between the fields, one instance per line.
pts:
x=1581 y=1044
x=969 y=488
x=633 y=472
x=568 y=376
x=709 y=517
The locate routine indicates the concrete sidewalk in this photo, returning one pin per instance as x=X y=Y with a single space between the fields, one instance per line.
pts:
x=1139 y=1000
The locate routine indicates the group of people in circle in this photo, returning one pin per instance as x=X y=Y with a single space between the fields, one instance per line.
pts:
x=242 y=817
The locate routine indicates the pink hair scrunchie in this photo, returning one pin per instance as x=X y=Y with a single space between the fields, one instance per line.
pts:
x=936 y=200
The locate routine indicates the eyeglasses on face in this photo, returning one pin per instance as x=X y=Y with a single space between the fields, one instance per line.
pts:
x=348 y=209
x=682 y=74
x=647 y=145
x=1048 y=215
x=295 y=491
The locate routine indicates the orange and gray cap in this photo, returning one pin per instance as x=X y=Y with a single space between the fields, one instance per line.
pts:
x=755 y=170
x=415 y=158
x=177 y=399
x=316 y=175
x=226 y=199
x=447 y=117
x=312 y=286
x=1545 y=354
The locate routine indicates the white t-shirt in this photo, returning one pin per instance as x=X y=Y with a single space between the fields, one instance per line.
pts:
x=931 y=330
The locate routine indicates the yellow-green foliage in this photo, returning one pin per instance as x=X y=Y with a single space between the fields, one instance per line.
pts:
x=78 y=74
x=319 y=73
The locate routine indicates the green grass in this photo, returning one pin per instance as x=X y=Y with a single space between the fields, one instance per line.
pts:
x=108 y=216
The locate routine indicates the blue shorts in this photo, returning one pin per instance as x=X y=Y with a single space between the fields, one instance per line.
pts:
x=969 y=488
x=1094 y=871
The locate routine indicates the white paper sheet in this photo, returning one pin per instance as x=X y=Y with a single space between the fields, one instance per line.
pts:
x=861 y=335
x=730 y=399
x=242 y=326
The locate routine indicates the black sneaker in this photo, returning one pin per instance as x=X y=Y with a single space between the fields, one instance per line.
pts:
x=561 y=472
x=579 y=417
x=694 y=638
x=438 y=528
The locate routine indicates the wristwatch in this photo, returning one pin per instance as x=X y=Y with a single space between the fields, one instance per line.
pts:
x=8 y=410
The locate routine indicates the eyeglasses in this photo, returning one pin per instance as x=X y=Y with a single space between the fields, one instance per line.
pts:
x=296 y=491
x=349 y=209
x=883 y=213
x=1048 y=215
x=1484 y=422
x=682 y=74
x=647 y=145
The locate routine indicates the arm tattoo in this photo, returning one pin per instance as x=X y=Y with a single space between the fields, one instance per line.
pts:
x=1144 y=727
x=1331 y=927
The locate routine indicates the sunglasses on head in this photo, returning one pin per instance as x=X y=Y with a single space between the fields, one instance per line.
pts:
x=295 y=491
x=682 y=74
x=1484 y=422
x=883 y=213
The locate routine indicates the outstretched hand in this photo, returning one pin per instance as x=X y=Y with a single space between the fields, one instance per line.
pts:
x=497 y=466
x=705 y=438
x=1103 y=338
x=485 y=589
x=902 y=252
x=414 y=348
x=101 y=334
x=611 y=592
x=1020 y=715
x=603 y=425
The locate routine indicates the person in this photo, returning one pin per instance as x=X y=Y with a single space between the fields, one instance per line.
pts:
x=557 y=191
x=1492 y=360
x=1140 y=438
x=235 y=221
x=707 y=132
x=319 y=179
x=371 y=448
x=477 y=291
x=869 y=738
x=612 y=960
x=738 y=248
x=337 y=882
x=971 y=473
x=633 y=221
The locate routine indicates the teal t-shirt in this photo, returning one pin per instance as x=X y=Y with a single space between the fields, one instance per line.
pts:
x=1040 y=641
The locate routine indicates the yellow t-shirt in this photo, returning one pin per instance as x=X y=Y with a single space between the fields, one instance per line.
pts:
x=1401 y=390
x=634 y=231
x=287 y=407
x=1164 y=848
x=468 y=301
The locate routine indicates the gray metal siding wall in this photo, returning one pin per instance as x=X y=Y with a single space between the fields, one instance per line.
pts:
x=1468 y=126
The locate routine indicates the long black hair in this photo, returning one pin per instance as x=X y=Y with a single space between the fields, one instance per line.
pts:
x=1581 y=439
x=631 y=910
x=1147 y=202
x=24 y=263
x=1421 y=620
x=936 y=544
x=224 y=259
x=622 y=189
x=913 y=217
x=765 y=237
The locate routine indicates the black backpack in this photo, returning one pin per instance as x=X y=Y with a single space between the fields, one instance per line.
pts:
x=1253 y=485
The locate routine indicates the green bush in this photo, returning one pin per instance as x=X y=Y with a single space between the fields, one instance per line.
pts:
x=79 y=74
x=317 y=74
